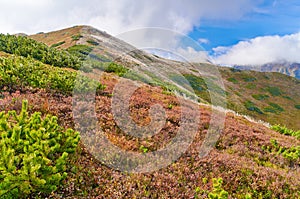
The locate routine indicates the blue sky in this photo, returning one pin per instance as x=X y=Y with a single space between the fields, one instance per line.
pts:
x=230 y=31
x=279 y=17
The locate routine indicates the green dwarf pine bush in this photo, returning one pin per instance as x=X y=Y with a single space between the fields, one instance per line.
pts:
x=33 y=153
x=218 y=192
x=27 y=47
x=285 y=131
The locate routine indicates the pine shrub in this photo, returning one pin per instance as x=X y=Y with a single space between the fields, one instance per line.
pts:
x=33 y=153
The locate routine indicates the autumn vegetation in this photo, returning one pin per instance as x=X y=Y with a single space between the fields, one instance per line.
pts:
x=42 y=155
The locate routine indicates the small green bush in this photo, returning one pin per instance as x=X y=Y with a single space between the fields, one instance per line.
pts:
x=269 y=110
x=249 y=79
x=273 y=108
x=251 y=86
x=260 y=96
x=33 y=153
x=285 y=131
x=287 y=97
x=251 y=107
x=233 y=80
x=117 y=69
x=76 y=37
x=218 y=192
x=235 y=70
x=57 y=44
x=92 y=42
x=297 y=106
x=80 y=51
x=275 y=91
x=292 y=153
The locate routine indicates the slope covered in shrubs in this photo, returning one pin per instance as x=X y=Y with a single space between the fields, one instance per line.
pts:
x=34 y=153
x=16 y=72
x=248 y=161
x=27 y=47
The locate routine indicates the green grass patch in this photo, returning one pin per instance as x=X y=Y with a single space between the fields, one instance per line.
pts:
x=297 y=106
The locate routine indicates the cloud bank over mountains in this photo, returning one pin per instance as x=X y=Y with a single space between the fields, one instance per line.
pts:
x=260 y=50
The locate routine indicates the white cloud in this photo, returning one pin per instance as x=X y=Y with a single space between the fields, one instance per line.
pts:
x=113 y=16
x=260 y=50
x=203 y=41
x=191 y=55
x=116 y=17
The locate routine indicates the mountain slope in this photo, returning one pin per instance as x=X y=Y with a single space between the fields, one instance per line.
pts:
x=270 y=97
x=252 y=160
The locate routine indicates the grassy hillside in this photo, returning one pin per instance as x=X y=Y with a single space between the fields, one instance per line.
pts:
x=61 y=38
x=271 y=97
x=249 y=160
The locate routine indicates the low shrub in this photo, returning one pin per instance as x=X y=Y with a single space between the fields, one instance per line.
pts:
x=92 y=42
x=233 y=80
x=20 y=71
x=34 y=153
x=252 y=107
x=235 y=70
x=27 y=47
x=80 y=51
x=76 y=37
x=292 y=154
x=285 y=131
x=249 y=79
x=274 y=91
x=217 y=191
x=57 y=44
x=260 y=96
x=251 y=86
x=117 y=69
x=273 y=108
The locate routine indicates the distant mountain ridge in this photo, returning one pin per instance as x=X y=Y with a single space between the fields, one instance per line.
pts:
x=287 y=68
